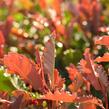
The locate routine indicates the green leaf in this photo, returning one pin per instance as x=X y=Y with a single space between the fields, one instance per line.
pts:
x=5 y=83
x=18 y=17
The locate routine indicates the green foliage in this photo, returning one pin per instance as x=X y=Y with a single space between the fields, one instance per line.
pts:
x=5 y=82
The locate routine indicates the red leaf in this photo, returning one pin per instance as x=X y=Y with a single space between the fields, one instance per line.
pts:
x=58 y=25
x=4 y=100
x=89 y=100
x=89 y=70
x=87 y=106
x=43 y=4
x=89 y=10
x=21 y=101
x=49 y=58
x=58 y=81
x=104 y=58
x=91 y=74
x=60 y=96
x=56 y=6
x=75 y=77
x=2 y=42
x=38 y=58
x=103 y=77
x=26 y=69
x=104 y=40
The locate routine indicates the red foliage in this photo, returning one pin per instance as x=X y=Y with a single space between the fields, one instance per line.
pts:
x=54 y=4
x=93 y=75
x=89 y=11
x=26 y=69
x=60 y=96
x=105 y=58
x=2 y=43
x=104 y=40
x=50 y=84
x=75 y=77
x=42 y=76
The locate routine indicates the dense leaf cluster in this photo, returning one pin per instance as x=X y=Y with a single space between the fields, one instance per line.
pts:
x=54 y=54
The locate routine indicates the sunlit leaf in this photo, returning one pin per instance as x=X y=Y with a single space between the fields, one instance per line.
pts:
x=58 y=81
x=104 y=58
x=90 y=100
x=26 y=69
x=104 y=40
x=60 y=96
x=89 y=70
x=75 y=77
x=2 y=42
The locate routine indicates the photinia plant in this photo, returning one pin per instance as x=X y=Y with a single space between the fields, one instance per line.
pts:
x=34 y=64
x=43 y=78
